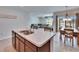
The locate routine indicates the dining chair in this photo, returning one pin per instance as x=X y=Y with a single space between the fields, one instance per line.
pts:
x=69 y=33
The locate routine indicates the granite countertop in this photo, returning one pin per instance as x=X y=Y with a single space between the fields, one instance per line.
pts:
x=38 y=38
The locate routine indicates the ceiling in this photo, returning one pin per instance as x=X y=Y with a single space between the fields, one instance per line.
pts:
x=38 y=9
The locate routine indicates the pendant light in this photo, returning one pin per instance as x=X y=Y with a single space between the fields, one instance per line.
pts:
x=66 y=16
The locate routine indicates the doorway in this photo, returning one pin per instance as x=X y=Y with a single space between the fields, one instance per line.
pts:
x=60 y=23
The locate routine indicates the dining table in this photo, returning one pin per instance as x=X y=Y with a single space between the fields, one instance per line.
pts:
x=75 y=33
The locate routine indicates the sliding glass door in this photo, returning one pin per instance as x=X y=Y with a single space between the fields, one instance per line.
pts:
x=64 y=24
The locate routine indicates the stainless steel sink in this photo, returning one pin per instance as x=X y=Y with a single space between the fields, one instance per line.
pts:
x=26 y=32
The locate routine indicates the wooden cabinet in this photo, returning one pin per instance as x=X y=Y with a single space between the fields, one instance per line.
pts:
x=29 y=47
x=17 y=44
x=45 y=48
x=23 y=45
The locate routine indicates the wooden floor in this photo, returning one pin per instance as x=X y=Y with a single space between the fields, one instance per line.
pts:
x=6 y=45
x=59 y=46
x=56 y=45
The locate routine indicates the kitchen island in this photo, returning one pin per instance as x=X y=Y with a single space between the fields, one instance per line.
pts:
x=36 y=41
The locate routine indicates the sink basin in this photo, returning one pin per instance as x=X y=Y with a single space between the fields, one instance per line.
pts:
x=26 y=32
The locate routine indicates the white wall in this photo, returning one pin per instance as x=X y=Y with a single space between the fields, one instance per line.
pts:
x=6 y=25
x=43 y=21
x=33 y=19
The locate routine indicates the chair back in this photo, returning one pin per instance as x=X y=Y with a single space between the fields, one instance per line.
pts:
x=69 y=32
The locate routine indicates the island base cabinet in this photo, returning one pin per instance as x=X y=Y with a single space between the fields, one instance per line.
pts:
x=31 y=48
x=28 y=49
x=44 y=48
x=21 y=47
x=17 y=44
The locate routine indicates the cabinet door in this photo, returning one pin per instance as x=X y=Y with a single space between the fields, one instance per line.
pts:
x=17 y=44
x=28 y=49
x=45 y=47
x=21 y=47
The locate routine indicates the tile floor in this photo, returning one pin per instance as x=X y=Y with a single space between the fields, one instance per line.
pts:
x=56 y=45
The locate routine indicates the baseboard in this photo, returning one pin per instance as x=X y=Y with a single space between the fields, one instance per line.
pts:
x=5 y=38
